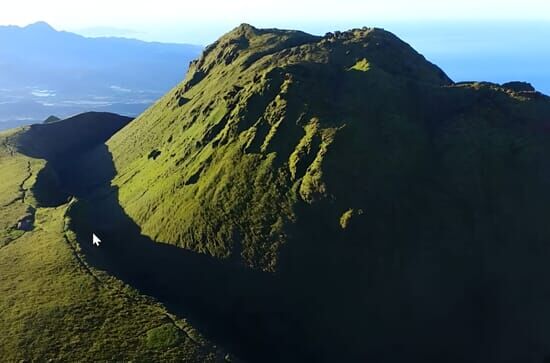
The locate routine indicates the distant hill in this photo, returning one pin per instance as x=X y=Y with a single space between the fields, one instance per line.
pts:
x=46 y=72
x=71 y=135
x=51 y=119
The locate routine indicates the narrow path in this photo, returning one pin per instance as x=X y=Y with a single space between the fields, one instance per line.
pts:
x=105 y=284
x=17 y=199
x=73 y=248
x=22 y=188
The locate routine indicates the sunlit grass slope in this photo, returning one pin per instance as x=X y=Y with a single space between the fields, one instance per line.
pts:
x=18 y=175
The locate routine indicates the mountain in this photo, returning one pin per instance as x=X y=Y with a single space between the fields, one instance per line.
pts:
x=401 y=216
x=298 y=198
x=55 y=306
x=47 y=71
x=51 y=119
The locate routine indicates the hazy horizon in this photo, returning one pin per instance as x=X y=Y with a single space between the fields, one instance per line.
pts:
x=205 y=34
x=467 y=50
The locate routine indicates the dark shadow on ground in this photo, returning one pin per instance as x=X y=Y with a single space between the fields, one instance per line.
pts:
x=240 y=309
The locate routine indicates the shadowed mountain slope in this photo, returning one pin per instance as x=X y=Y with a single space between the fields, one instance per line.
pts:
x=72 y=135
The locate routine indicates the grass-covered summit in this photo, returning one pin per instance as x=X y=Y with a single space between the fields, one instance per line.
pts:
x=404 y=214
x=232 y=151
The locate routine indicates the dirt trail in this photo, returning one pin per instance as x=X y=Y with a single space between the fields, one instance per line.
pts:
x=107 y=284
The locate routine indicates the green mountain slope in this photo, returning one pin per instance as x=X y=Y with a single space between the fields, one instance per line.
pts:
x=266 y=102
x=56 y=307
x=403 y=215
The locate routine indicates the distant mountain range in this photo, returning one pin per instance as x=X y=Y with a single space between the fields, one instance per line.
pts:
x=45 y=72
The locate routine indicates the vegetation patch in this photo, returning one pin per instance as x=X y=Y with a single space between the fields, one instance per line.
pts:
x=164 y=336
x=362 y=65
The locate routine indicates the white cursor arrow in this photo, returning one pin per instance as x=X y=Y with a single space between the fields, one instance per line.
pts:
x=95 y=240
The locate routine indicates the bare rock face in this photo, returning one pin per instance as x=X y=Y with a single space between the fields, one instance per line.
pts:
x=26 y=223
